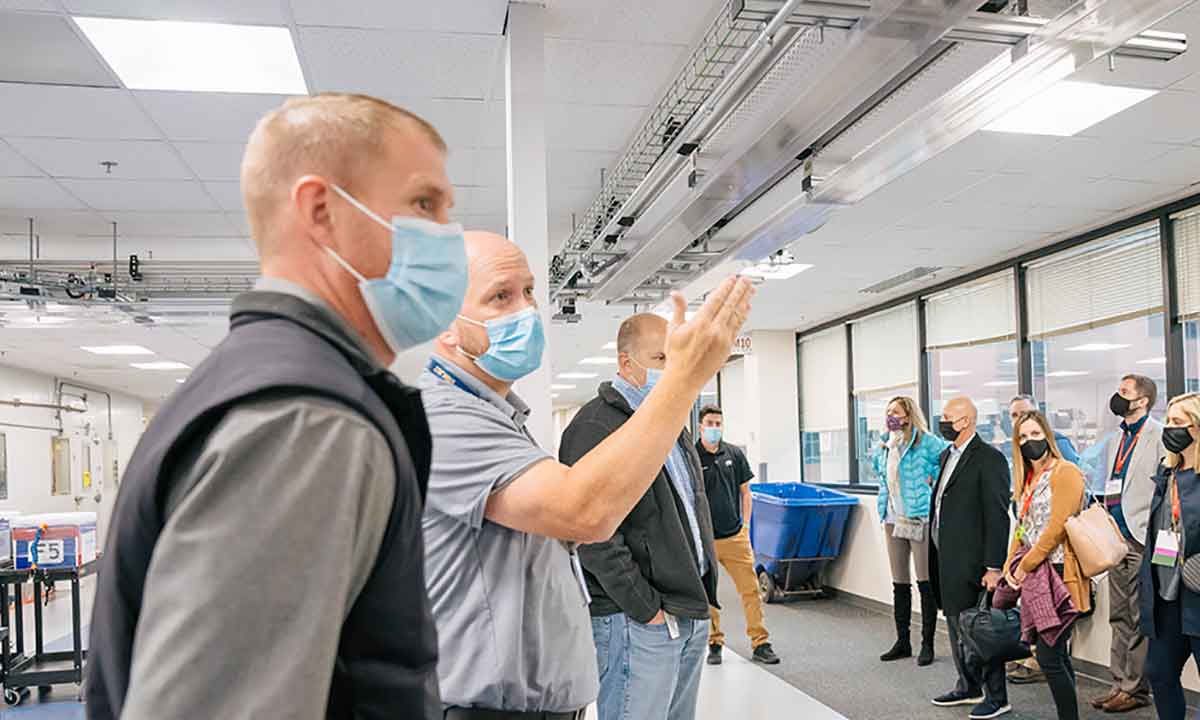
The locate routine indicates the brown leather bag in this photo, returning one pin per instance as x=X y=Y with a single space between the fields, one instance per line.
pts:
x=1096 y=540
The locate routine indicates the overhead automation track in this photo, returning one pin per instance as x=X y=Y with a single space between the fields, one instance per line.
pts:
x=795 y=93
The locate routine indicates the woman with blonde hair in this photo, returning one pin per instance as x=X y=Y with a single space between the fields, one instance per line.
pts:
x=1047 y=491
x=1170 y=611
x=906 y=464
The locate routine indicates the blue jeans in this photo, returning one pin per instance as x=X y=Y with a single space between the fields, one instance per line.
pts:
x=644 y=673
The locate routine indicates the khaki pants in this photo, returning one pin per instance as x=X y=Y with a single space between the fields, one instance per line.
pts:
x=737 y=557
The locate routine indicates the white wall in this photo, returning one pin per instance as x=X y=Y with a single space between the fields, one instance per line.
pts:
x=734 y=405
x=562 y=418
x=29 y=454
x=759 y=403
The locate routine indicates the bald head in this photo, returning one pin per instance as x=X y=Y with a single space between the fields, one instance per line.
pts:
x=634 y=331
x=641 y=345
x=961 y=413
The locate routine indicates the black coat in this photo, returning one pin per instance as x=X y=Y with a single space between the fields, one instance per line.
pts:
x=650 y=562
x=974 y=525
x=1189 y=517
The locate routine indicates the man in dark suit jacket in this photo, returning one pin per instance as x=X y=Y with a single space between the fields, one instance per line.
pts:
x=970 y=543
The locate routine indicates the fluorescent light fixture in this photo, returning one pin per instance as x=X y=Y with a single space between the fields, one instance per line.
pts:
x=553 y=396
x=951 y=391
x=773 y=271
x=1067 y=373
x=162 y=365
x=598 y=361
x=1153 y=361
x=576 y=376
x=116 y=350
x=557 y=386
x=1001 y=383
x=1010 y=361
x=1067 y=108
x=1097 y=347
x=955 y=373
x=196 y=56
x=610 y=346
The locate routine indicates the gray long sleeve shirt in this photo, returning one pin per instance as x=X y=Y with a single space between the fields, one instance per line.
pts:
x=281 y=512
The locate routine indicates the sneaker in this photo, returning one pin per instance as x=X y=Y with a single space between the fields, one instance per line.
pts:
x=714 y=654
x=989 y=709
x=955 y=697
x=765 y=655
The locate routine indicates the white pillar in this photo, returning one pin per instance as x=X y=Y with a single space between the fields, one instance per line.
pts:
x=528 y=212
x=759 y=395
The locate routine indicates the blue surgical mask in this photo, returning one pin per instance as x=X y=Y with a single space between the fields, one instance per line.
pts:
x=425 y=284
x=712 y=435
x=515 y=345
x=653 y=375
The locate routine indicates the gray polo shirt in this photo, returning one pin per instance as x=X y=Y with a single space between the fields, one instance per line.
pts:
x=513 y=624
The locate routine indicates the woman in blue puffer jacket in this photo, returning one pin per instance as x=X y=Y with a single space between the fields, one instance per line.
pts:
x=906 y=466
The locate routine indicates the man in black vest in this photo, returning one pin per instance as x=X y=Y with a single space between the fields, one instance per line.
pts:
x=265 y=554
x=970 y=543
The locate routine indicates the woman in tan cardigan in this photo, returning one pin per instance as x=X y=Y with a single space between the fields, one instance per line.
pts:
x=1047 y=491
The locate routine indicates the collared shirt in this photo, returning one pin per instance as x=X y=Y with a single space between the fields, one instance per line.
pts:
x=1129 y=438
x=956 y=453
x=513 y=624
x=725 y=472
x=678 y=471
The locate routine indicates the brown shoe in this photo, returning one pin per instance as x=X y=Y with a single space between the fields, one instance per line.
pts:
x=1124 y=702
x=1099 y=701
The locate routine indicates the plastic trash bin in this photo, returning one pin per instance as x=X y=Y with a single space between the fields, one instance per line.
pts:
x=796 y=530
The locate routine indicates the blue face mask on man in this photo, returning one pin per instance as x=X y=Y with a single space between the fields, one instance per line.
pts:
x=425 y=284
x=712 y=435
x=653 y=375
x=515 y=345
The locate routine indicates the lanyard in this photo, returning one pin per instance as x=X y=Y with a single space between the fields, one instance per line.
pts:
x=1175 y=509
x=1029 y=493
x=446 y=375
x=1123 y=458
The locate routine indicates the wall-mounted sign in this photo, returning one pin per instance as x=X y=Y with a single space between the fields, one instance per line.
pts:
x=742 y=345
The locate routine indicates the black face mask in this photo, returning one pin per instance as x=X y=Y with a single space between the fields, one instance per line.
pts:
x=1034 y=450
x=1177 y=439
x=1119 y=405
x=947 y=429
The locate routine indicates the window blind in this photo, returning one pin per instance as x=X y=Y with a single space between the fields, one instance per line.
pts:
x=885 y=349
x=1099 y=285
x=979 y=312
x=1187 y=262
x=823 y=381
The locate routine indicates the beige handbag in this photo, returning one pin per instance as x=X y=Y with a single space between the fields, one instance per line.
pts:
x=1096 y=540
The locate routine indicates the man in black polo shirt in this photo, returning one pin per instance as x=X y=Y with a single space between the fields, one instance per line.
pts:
x=726 y=480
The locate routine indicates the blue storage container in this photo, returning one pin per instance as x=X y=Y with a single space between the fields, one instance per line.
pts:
x=796 y=530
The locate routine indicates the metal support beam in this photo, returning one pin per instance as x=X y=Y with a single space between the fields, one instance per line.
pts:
x=1172 y=328
x=1025 y=348
x=851 y=408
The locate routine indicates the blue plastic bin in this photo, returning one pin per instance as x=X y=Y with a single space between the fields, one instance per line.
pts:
x=796 y=530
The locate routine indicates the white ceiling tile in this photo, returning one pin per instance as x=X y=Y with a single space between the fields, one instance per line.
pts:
x=180 y=225
x=493 y=126
x=368 y=61
x=13 y=165
x=136 y=159
x=46 y=49
x=1134 y=72
x=491 y=200
x=494 y=222
x=460 y=166
x=589 y=127
x=624 y=73
x=456 y=16
x=491 y=166
x=50 y=224
x=227 y=194
x=37 y=193
x=50 y=6
x=992 y=151
x=141 y=194
x=459 y=122
x=207 y=116
x=77 y=112
x=252 y=12
x=213 y=161
x=1092 y=157
x=1168 y=117
x=1111 y=195
x=664 y=21
x=573 y=168
x=1178 y=165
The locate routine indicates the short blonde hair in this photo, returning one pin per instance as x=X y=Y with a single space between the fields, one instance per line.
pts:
x=1191 y=406
x=330 y=134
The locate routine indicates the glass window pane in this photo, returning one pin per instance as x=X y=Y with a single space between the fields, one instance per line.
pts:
x=1191 y=354
x=870 y=409
x=1076 y=375
x=987 y=374
x=825 y=437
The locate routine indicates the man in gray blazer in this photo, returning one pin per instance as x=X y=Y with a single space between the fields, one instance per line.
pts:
x=1133 y=457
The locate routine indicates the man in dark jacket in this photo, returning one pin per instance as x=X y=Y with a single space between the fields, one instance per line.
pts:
x=653 y=581
x=970 y=544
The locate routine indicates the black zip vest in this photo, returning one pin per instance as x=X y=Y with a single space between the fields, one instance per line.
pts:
x=386 y=665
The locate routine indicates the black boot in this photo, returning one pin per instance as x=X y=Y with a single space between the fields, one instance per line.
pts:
x=902 y=599
x=928 y=622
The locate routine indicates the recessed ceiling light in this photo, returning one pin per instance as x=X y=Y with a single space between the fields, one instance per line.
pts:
x=1068 y=107
x=196 y=56
x=557 y=386
x=162 y=365
x=1066 y=373
x=598 y=361
x=771 y=271
x=576 y=376
x=1097 y=347
x=610 y=346
x=1153 y=361
x=955 y=373
x=117 y=350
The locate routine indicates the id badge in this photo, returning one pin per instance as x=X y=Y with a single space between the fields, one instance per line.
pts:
x=1113 y=487
x=672 y=625
x=1166 y=549
x=577 y=571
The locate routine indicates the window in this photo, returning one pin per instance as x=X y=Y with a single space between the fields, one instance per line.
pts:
x=971 y=335
x=1187 y=270
x=825 y=441
x=885 y=366
x=1095 y=315
x=60 y=466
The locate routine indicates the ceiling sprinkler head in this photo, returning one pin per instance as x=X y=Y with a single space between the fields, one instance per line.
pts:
x=108 y=166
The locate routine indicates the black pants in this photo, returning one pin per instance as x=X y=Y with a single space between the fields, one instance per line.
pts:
x=973 y=676
x=1055 y=661
x=1169 y=652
